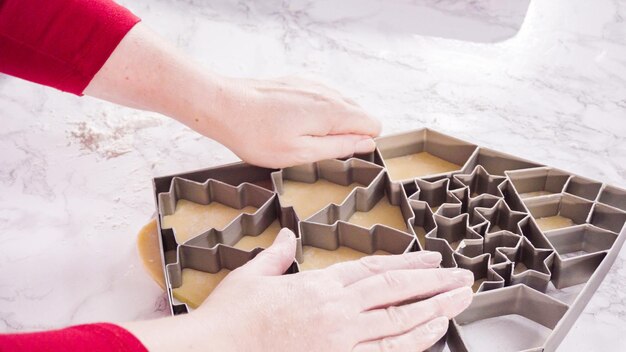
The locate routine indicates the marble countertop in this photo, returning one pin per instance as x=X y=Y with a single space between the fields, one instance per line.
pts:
x=75 y=173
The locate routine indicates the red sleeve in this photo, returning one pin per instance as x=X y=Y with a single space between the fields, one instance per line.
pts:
x=101 y=337
x=60 y=43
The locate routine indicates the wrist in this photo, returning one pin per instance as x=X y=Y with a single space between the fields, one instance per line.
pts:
x=179 y=333
x=200 y=103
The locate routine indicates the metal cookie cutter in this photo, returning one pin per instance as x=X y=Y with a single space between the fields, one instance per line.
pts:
x=445 y=148
x=331 y=227
x=614 y=197
x=497 y=200
x=480 y=182
x=264 y=219
x=208 y=260
x=423 y=221
x=362 y=201
x=438 y=195
x=246 y=194
x=509 y=302
x=531 y=265
x=454 y=235
x=487 y=276
x=341 y=172
x=580 y=250
x=497 y=163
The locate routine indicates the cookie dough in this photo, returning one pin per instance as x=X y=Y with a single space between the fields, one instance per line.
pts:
x=519 y=268
x=150 y=252
x=477 y=284
x=554 y=222
x=197 y=286
x=318 y=258
x=263 y=240
x=417 y=165
x=456 y=244
x=382 y=213
x=309 y=198
x=421 y=235
x=191 y=219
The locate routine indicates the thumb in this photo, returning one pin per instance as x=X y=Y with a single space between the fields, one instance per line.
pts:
x=276 y=259
x=338 y=146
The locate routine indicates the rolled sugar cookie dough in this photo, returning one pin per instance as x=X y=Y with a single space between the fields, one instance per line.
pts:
x=477 y=284
x=417 y=165
x=554 y=222
x=150 y=252
x=263 y=240
x=519 y=268
x=420 y=232
x=383 y=213
x=309 y=198
x=191 y=219
x=197 y=286
x=318 y=258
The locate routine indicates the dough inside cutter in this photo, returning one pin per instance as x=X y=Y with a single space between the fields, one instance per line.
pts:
x=197 y=286
x=554 y=222
x=318 y=258
x=150 y=252
x=383 y=213
x=263 y=240
x=309 y=198
x=191 y=219
x=417 y=165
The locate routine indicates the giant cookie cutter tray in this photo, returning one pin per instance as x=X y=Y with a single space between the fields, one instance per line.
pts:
x=531 y=234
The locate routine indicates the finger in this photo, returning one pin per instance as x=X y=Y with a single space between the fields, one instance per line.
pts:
x=391 y=321
x=400 y=285
x=353 y=271
x=341 y=115
x=276 y=259
x=417 y=339
x=353 y=120
x=336 y=146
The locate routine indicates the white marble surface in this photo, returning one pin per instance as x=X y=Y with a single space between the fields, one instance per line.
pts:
x=75 y=172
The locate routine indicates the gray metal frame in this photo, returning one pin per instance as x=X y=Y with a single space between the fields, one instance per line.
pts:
x=479 y=207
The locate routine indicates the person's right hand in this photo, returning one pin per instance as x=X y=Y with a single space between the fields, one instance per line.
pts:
x=346 y=307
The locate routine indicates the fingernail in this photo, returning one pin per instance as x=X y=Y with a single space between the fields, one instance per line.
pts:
x=437 y=326
x=463 y=276
x=459 y=298
x=284 y=234
x=364 y=146
x=430 y=257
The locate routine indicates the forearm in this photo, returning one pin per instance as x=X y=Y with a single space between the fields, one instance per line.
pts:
x=147 y=73
x=165 y=334
x=185 y=333
x=91 y=47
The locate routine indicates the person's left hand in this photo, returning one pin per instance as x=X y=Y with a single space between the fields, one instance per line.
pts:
x=349 y=306
x=285 y=122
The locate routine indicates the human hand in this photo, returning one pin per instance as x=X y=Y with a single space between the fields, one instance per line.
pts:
x=286 y=122
x=272 y=123
x=346 y=307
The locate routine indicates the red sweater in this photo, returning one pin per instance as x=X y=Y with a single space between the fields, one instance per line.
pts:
x=60 y=43
x=63 y=44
